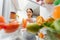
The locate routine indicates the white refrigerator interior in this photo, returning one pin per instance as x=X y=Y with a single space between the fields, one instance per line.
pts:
x=1 y=6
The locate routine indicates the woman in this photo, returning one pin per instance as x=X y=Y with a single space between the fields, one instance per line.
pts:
x=29 y=18
x=27 y=35
x=29 y=14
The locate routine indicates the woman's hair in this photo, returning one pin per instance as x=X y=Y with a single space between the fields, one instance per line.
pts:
x=30 y=9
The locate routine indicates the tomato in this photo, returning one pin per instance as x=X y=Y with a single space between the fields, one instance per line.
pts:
x=12 y=27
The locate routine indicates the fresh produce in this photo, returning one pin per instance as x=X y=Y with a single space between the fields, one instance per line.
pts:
x=56 y=25
x=2 y=26
x=24 y=23
x=2 y=20
x=41 y=35
x=50 y=19
x=11 y=27
x=56 y=12
x=53 y=25
x=40 y=20
x=56 y=2
x=50 y=36
x=53 y=29
x=33 y=27
x=48 y=22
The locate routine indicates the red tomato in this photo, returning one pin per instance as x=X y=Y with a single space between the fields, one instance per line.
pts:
x=12 y=27
x=2 y=26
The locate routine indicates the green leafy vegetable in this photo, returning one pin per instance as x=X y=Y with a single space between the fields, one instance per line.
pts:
x=33 y=27
x=57 y=25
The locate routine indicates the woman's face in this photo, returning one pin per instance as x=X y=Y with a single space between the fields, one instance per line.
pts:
x=29 y=13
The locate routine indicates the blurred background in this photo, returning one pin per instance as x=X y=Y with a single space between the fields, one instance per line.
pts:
x=18 y=6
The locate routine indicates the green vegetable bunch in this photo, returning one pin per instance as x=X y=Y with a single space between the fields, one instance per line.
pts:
x=51 y=24
x=57 y=2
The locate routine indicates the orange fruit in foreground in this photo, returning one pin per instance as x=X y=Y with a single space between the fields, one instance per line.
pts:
x=40 y=20
x=50 y=19
x=24 y=23
x=56 y=12
x=41 y=35
x=12 y=27
x=2 y=20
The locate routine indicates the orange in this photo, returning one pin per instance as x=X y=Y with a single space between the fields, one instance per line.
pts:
x=50 y=19
x=56 y=12
x=41 y=35
x=24 y=23
x=40 y=20
x=2 y=19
